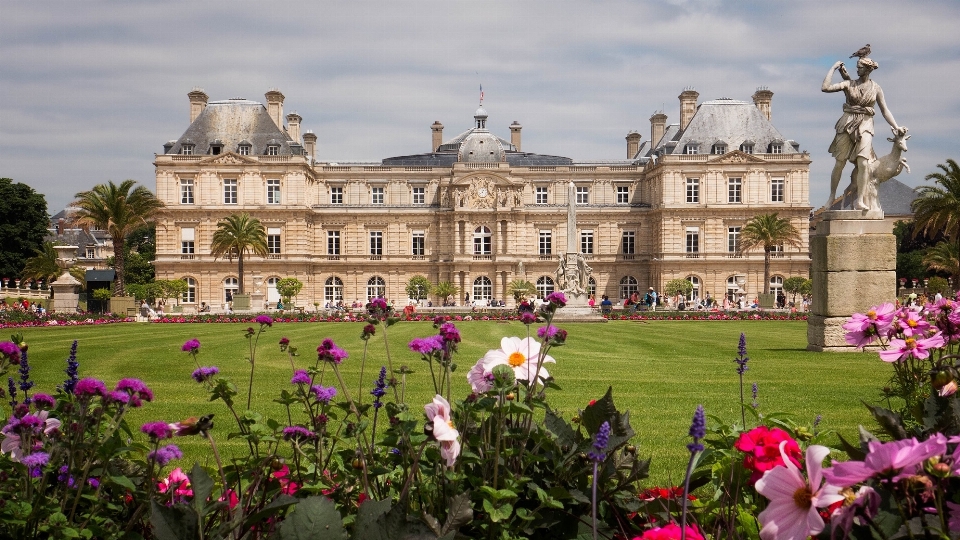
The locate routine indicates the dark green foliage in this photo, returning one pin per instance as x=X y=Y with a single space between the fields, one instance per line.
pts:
x=23 y=224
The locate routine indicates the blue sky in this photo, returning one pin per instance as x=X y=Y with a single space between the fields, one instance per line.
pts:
x=90 y=91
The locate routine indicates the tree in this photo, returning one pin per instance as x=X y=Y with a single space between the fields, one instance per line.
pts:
x=937 y=284
x=289 y=288
x=795 y=285
x=236 y=235
x=175 y=288
x=445 y=289
x=418 y=287
x=679 y=285
x=942 y=258
x=521 y=289
x=937 y=208
x=117 y=209
x=43 y=266
x=23 y=224
x=767 y=231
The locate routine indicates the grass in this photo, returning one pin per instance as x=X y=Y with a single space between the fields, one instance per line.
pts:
x=660 y=371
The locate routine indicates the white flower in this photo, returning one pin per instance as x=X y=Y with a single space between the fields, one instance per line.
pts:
x=438 y=412
x=520 y=354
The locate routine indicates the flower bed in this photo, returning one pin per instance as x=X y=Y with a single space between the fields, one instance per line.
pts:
x=23 y=319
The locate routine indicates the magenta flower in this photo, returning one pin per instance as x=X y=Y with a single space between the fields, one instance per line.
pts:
x=902 y=458
x=323 y=394
x=902 y=349
x=527 y=317
x=329 y=352
x=300 y=376
x=44 y=401
x=135 y=387
x=426 y=345
x=557 y=298
x=11 y=351
x=552 y=334
x=165 y=454
x=203 y=374
x=157 y=430
x=911 y=323
x=90 y=387
x=450 y=333
x=862 y=329
x=264 y=319
x=191 y=346
x=299 y=433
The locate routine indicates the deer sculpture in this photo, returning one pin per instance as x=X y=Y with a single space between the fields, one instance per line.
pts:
x=879 y=170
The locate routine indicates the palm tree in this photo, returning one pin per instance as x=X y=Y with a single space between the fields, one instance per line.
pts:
x=237 y=234
x=769 y=231
x=117 y=209
x=43 y=266
x=937 y=208
x=521 y=289
x=942 y=258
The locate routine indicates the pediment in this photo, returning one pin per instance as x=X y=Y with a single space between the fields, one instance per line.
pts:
x=483 y=191
x=735 y=157
x=228 y=158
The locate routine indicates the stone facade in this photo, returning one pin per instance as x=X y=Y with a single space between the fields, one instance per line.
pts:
x=475 y=211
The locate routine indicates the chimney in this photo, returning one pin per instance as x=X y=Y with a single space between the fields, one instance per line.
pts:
x=688 y=106
x=198 y=102
x=658 y=124
x=633 y=144
x=515 y=128
x=437 y=129
x=293 y=126
x=275 y=106
x=762 y=98
x=310 y=144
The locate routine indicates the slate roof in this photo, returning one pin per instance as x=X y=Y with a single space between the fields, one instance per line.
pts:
x=73 y=237
x=232 y=121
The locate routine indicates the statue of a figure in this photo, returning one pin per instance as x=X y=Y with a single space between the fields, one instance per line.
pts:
x=585 y=272
x=573 y=274
x=458 y=197
x=518 y=198
x=520 y=270
x=443 y=197
x=561 y=272
x=853 y=141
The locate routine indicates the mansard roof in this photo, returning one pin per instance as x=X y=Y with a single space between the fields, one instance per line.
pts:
x=231 y=122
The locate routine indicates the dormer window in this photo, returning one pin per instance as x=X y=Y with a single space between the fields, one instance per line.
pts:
x=187 y=149
x=273 y=150
x=216 y=147
x=244 y=148
x=691 y=149
x=746 y=147
x=776 y=148
x=718 y=148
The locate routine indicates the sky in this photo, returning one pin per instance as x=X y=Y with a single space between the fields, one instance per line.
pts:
x=90 y=91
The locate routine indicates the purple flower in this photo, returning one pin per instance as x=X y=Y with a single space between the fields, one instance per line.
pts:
x=44 y=401
x=552 y=334
x=426 y=345
x=12 y=385
x=300 y=376
x=157 y=430
x=25 y=382
x=450 y=333
x=191 y=346
x=598 y=453
x=698 y=430
x=72 y=367
x=527 y=317
x=11 y=351
x=35 y=461
x=90 y=387
x=742 y=358
x=324 y=394
x=203 y=374
x=379 y=388
x=298 y=433
x=93 y=482
x=368 y=331
x=756 y=392
x=378 y=304
x=165 y=454
x=556 y=298
x=329 y=352
x=135 y=387
x=264 y=319
x=121 y=398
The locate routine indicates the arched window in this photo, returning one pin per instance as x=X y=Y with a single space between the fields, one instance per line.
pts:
x=544 y=286
x=591 y=287
x=695 y=292
x=732 y=288
x=482 y=244
x=776 y=286
x=230 y=285
x=190 y=295
x=628 y=286
x=333 y=290
x=272 y=295
x=482 y=288
x=376 y=287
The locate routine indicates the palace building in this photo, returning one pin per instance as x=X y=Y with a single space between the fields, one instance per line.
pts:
x=478 y=210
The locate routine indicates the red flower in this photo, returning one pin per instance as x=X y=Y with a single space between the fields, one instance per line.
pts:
x=762 y=448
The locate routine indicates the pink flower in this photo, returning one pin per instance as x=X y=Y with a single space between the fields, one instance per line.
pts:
x=862 y=329
x=438 y=413
x=763 y=450
x=903 y=457
x=670 y=531
x=520 y=354
x=911 y=323
x=176 y=482
x=480 y=381
x=902 y=349
x=792 y=513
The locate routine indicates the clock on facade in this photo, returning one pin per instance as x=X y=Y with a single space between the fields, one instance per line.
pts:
x=482 y=192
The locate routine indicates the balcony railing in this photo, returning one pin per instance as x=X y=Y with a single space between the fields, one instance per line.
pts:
x=483 y=257
x=274 y=256
x=546 y=257
x=376 y=257
x=333 y=257
x=417 y=257
x=186 y=256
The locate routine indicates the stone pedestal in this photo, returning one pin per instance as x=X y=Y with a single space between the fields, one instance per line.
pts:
x=854 y=268
x=65 y=296
x=256 y=301
x=577 y=310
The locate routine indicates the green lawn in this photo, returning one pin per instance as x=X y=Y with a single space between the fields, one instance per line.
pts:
x=659 y=371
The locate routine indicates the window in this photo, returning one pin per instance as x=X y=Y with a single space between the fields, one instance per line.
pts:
x=776 y=286
x=628 y=286
x=419 y=195
x=586 y=242
x=777 y=251
x=333 y=290
x=628 y=243
x=272 y=295
x=190 y=295
x=719 y=149
x=187 y=149
x=583 y=195
x=229 y=191
x=273 y=150
x=216 y=147
x=623 y=194
x=733 y=239
x=693 y=190
x=691 y=149
x=186 y=191
x=695 y=291
x=376 y=195
x=187 y=237
x=546 y=243
x=333 y=243
x=273 y=242
x=591 y=287
x=544 y=286
x=733 y=288
x=746 y=148
x=776 y=148
x=90 y=253
x=336 y=195
x=482 y=288
x=735 y=190
x=376 y=243
x=418 y=243
x=243 y=149
x=776 y=190
x=230 y=285
x=482 y=244
x=376 y=288
x=541 y=194
x=273 y=191
x=693 y=242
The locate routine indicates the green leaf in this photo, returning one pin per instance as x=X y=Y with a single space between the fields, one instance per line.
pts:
x=564 y=432
x=314 y=518
x=177 y=522
x=366 y=525
x=497 y=513
x=459 y=513
x=889 y=421
x=278 y=505
x=603 y=410
x=202 y=486
x=124 y=482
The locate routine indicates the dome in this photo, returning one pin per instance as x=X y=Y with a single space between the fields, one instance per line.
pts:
x=481 y=147
x=481 y=112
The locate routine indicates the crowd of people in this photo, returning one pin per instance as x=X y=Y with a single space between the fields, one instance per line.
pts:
x=22 y=305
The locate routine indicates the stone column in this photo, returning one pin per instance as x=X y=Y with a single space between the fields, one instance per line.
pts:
x=854 y=268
